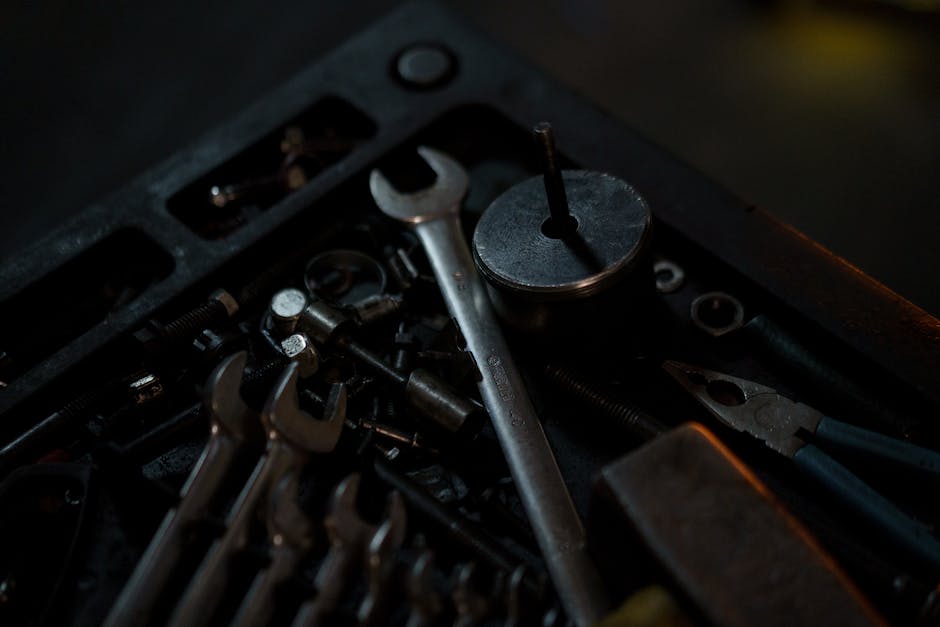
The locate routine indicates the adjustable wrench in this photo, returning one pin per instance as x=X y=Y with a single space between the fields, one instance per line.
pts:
x=293 y=435
x=291 y=534
x=434 y=215
x=233 y=425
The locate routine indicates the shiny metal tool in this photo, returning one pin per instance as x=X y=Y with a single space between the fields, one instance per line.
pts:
x=293 y=435
x=434 y=215
x=233 y=425
x=800 y=432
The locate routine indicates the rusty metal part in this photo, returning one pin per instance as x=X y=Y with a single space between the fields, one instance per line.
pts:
x=695 y=505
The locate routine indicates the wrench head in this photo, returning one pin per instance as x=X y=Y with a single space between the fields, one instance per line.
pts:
x=286 y=521
x=441 y=198
x=222 y=397
x=283 y=414
x=344 y=525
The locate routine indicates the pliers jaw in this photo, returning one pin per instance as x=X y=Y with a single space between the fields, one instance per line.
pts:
x=750 y=407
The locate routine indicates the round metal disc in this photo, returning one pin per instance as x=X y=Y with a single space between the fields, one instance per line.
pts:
x=513 y=252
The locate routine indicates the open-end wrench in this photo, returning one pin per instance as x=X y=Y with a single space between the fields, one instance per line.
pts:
x=233 y=425
x=434 y=215
x=380 y=563
x=423 y=598
x=291 y=535
x=293 y=435
x=348 y=534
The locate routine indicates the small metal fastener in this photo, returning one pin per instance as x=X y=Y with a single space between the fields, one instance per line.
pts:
x=669 y=276
x=298 y=348
x=423 y=66
x=286 y=307
x=717 y=313
x=227 y=300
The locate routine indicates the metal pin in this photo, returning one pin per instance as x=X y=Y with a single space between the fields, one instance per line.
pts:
x=560 y=222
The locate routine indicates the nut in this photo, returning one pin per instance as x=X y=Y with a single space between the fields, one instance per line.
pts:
x=298 y=348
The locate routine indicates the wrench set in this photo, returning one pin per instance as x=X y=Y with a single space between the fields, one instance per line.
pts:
x=385 y=351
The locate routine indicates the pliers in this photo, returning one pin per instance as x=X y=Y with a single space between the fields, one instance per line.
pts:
x=799 y=432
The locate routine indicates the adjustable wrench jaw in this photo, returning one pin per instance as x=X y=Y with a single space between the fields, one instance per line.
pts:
x=441 y=199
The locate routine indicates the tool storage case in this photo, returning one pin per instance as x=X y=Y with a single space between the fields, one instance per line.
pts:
x=78 y=345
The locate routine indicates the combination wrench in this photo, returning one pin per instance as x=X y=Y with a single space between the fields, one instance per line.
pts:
x=293 y=436
x=434 y=214
x=233 y=426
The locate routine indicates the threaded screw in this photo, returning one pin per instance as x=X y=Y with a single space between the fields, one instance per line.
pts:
x=220 y=306
x=626 y=416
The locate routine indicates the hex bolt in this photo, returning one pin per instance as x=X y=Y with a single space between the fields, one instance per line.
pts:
x=286 y=307
x=626 y=416
x=424 y=391
x=299 y=348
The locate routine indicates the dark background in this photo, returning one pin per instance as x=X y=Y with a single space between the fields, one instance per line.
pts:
x=827 y=114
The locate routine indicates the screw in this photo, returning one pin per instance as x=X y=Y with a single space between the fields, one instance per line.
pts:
x=219 y=306
x=626 y=416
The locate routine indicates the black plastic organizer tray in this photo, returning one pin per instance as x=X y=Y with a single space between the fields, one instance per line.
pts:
x=70 y=304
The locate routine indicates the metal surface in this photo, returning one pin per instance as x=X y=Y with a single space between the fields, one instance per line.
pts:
x=748 y=406
x=233 y=424
x=291 y=536
x=434 y=212
x=293 y=435
x=350 y=537
x=696 y=505
x=286 y=307
x=887 y=330
x=717 y=313
x=613 y=230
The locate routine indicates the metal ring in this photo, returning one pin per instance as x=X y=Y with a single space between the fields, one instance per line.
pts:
x=717 y=313
x=669 y=276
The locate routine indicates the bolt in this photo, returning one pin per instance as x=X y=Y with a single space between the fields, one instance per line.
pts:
x=424 y=391
x=459 y=528
x=298 y=348
x=626 y=416
x=411 y=440
x=220 y=306
x=286 y=307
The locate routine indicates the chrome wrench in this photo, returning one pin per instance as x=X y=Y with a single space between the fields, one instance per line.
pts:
x=434 y=214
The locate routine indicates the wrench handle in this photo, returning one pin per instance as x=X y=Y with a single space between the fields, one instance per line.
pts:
x=532 y=464
x=140 y=595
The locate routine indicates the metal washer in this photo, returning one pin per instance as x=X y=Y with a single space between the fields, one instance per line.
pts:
x=514 y=254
